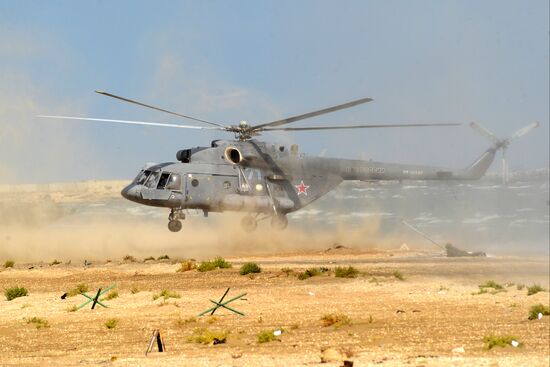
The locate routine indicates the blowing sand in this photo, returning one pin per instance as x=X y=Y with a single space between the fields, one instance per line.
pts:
x=416 y=321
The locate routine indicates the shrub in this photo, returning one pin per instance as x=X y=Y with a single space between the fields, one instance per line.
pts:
x=335 y=319
x=308 y=273
x=266 y=336
x=491 y=284
x=111 y=295
x=134 y=289
x=186 y=266
x=398 y=275
x=55 y=262
x=534 y=289
x=492 y=341
x=536 y=309
x=150 y=258
x=205 y=336
x=163 y=257
x=72 y=308
x=81 y=288
x=15 y=292
x=38 y=322
x=346 y=272
x=129 y=258
x=519 y=287
x=166 y=294
x=220 y=262
x=250 y=268
x=111 y=323
x=217 y=263
x=9 y=264
x=287 y=271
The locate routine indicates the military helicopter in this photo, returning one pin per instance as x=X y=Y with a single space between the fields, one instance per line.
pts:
x=264 y=180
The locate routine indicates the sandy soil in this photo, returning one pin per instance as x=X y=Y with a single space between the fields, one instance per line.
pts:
x=417 y=321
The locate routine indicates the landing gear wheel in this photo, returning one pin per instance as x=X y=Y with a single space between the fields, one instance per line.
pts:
x=174 y=226
x=279 y=222
x=249 y=223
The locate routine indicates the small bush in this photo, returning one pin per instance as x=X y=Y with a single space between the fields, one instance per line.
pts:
x=491 y=284
x=134 y=289
x=150 y=258
x=534 y=289
x=15 y=292
x=250 y=268
x=346 y=272
x=221 y=263
x=217 y=263
x=308 y=273
x=129 y=258
x=183 y=322
x=55 y=262
x=111 y=295
x=335 y=319
x=38 y=322
x=9 y=264
x=186 y=266
x=205 y=336
x=166 y=294
x=519 y=287
x=111 y=323
x=163 y=257
x=398 y=275
x=266 y=336
x=492 y=341
x=81 y=288
x=287 y=271
x=72 y=308
x=536 y=309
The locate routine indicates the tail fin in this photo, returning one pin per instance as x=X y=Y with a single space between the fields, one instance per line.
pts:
x=477 y=169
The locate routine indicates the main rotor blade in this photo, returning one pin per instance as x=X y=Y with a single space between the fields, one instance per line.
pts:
x=524 y=130
x=357 y=127
x=131 y=122
x=157 y=108
x=483 y=131
x=311 y=114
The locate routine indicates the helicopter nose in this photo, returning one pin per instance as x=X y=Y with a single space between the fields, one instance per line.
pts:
x=130 y=192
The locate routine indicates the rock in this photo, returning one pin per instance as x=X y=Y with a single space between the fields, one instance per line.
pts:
x=331 y=355
x=459 y=350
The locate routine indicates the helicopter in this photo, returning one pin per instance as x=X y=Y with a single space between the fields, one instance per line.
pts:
x=263 y=180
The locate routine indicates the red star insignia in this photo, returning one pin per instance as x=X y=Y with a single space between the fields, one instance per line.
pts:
x=302 y=188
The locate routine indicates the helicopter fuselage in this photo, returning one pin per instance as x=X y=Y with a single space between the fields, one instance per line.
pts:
x=258 y=177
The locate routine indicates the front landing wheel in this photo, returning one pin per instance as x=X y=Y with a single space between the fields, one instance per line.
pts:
x=279 y=222
x=249 y=223
x=174 y=226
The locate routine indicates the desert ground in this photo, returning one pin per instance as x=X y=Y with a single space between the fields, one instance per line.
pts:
x=61 y=236
x=416 y=321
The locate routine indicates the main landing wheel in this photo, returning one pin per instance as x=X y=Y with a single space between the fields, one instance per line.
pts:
x=249 y=223
x=279 y=222
x=174 y=226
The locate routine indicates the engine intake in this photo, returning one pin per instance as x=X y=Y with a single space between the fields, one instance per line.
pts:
x=233 y=155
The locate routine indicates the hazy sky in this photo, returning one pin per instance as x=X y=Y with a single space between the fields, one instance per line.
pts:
x=422 y=61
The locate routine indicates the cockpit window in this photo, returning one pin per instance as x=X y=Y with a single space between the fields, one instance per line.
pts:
x=152 y=180
x=174 y=182
x=163 y=180
x=142 y=177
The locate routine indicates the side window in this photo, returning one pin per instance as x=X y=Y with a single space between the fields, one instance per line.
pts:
x=174 y=182
x=163 y=180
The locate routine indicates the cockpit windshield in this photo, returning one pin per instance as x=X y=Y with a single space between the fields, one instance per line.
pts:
x=142 y=177
x=152 y=180
x=160 y=180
